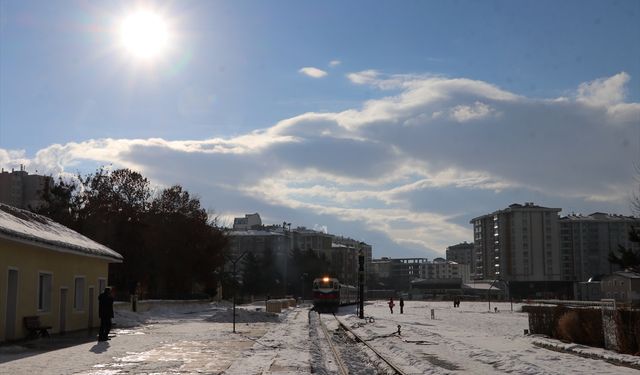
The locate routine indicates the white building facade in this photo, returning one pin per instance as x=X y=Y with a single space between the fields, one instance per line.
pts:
x=445 y=269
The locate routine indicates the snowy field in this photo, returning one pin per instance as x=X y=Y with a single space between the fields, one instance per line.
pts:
x=198 y=339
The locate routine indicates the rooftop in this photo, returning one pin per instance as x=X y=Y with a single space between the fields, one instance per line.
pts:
x=598 y=216
x=26 y=226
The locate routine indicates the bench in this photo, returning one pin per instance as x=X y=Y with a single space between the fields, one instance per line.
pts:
x=32 y=324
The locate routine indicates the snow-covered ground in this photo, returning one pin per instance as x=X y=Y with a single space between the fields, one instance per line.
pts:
x=199 y=339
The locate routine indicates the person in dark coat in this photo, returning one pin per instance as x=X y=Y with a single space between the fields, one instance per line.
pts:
x=391 y=304
x=401 y=305
x=105 y=312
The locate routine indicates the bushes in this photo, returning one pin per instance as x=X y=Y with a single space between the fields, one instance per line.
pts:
x=543 y=319
x=582 y=326
x=579 y=325
x=628 y=331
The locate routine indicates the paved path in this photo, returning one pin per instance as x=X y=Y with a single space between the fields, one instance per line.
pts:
x=190 y=345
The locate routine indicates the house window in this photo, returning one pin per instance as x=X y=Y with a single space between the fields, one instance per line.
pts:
x=44 y=292
x=78 y=296
x=102 y=283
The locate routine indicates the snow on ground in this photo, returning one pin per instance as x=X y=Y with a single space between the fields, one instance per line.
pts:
x=468 y=339
x=198 y=338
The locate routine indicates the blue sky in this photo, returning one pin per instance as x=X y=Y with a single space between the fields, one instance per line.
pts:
x=391 y=122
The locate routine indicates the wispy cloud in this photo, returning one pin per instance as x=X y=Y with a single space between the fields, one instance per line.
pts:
x=334 y=63
x=384 y=167
x=312 y=72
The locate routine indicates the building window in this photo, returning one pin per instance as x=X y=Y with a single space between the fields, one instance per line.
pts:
x=78 y=296
x=44 y=292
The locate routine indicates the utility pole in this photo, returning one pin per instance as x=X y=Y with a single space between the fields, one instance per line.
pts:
x=361 y=282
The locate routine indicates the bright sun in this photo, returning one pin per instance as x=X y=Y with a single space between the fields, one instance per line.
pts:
x=144 y=34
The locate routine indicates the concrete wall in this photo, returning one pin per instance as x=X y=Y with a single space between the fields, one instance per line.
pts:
x=30 y=261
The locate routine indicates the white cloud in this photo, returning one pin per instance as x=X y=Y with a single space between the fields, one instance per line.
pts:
x=412 y=167
x=604 y=91
x=464 y=113
x=313 y=72
x=334 y=63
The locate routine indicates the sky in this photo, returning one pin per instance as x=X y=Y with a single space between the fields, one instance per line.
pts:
x=394 y=123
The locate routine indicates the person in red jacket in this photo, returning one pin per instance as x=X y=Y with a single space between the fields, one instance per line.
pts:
x=391 y=304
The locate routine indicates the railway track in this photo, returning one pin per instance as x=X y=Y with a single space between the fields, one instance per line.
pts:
x=351 y=345
x=339 y=362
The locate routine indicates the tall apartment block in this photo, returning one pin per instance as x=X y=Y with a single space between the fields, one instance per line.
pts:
x=520 y=244
x=585 y=243
x=21 y=189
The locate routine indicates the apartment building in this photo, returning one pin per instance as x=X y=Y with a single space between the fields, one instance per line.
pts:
x=440 y=269
x=462 y=253
x=586 y=240
x=21 y=189
x=249 y=221
x=519 y=243
x=397 y=273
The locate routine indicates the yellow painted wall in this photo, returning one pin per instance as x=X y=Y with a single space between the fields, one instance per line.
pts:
x=30 y=260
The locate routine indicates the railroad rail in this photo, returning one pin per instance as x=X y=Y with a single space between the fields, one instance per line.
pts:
x=382 y=357
x=339 y=362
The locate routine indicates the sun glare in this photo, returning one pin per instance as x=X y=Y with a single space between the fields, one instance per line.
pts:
x=144 y=34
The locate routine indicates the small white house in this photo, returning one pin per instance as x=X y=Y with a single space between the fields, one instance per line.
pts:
x=623 y=286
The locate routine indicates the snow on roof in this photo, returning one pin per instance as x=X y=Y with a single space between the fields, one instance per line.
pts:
x=627 y=274
x=481 y=285
x=27 y=226
x=253 y=232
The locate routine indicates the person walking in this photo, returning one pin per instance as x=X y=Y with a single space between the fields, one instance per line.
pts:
x=105 y=312
x=391 y=304
x=401 y=305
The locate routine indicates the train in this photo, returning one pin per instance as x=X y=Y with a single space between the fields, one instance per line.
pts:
x=329 y=294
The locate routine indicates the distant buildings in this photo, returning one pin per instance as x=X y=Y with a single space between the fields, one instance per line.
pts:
x=538 y=254
x=395 y=273
x=250 y=235
x=22 y=190
x=526 y=250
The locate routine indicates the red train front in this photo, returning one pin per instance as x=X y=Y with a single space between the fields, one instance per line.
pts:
x=326 y=294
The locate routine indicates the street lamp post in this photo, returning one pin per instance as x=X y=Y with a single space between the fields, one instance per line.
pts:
x=489 y=292
x=303 y=277
x=234 y=262
x=361 y=284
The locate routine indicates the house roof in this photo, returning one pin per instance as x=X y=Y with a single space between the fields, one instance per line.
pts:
x=26 y=226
